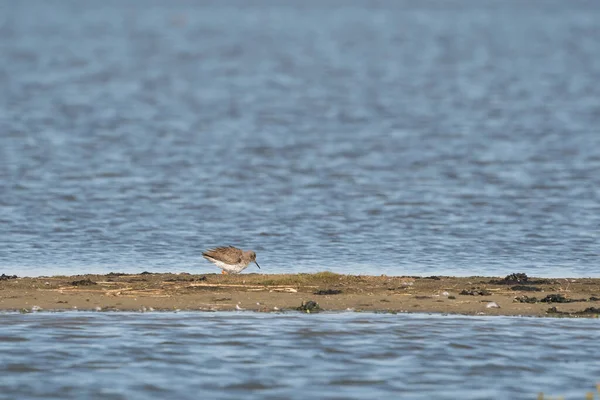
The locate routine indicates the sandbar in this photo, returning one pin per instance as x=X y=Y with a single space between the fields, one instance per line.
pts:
x=515 y=294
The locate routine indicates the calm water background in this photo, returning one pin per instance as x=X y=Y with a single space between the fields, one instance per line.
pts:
x=252 y=356
x=399 y=137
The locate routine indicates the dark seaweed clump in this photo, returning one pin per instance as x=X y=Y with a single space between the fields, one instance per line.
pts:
x=516 y=279
x=526 y=299
x=475 y=292
x=84 y=282
x=512 y=279
x=7 y=277
x=587 y=311
x=559 y=298
x=327 y=291
x=309 y=307
x=525 y=288
x=555 y=298
x=551 y=298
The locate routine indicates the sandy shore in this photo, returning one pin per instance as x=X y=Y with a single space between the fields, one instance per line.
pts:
x=515 y=294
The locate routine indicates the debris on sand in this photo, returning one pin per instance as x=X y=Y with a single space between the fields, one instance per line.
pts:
x=526 y=299
x=492 y=304
x=84 y=282
x=186 y=279
x=327 y=292
x=559 y=298
x=7 y=277
x=475 y=292
x=515 y=279
x=525 y=288
x=309 y=307
x=555 y=298
x=587 y=311
x=551 y=298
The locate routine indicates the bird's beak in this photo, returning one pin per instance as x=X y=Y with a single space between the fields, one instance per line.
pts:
x=257 y=264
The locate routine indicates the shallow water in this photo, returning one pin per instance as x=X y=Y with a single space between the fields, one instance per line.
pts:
x=398 y=137
x=230 y=356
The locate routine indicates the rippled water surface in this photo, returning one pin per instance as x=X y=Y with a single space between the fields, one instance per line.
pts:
x=233 y=356
x=397 y=137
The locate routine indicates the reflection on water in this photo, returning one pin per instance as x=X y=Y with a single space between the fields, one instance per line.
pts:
x=229 y=356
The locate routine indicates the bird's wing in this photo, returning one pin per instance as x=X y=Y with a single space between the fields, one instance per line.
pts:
x=228 y=255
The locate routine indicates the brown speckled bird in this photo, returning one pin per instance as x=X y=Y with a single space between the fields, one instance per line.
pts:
x=230 y=259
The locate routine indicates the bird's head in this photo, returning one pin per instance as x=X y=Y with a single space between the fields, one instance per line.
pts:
x=253 y=258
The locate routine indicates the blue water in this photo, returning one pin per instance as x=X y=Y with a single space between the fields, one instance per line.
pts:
x=394 y=137
x=458 y=137
x=253 y=356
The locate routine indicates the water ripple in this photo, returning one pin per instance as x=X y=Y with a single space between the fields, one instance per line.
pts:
x=294 y=356
x=396 y=138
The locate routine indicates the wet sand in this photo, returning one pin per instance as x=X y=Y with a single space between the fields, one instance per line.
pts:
x=515 y=294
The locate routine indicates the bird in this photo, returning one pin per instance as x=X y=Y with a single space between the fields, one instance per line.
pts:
x=230 y=259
